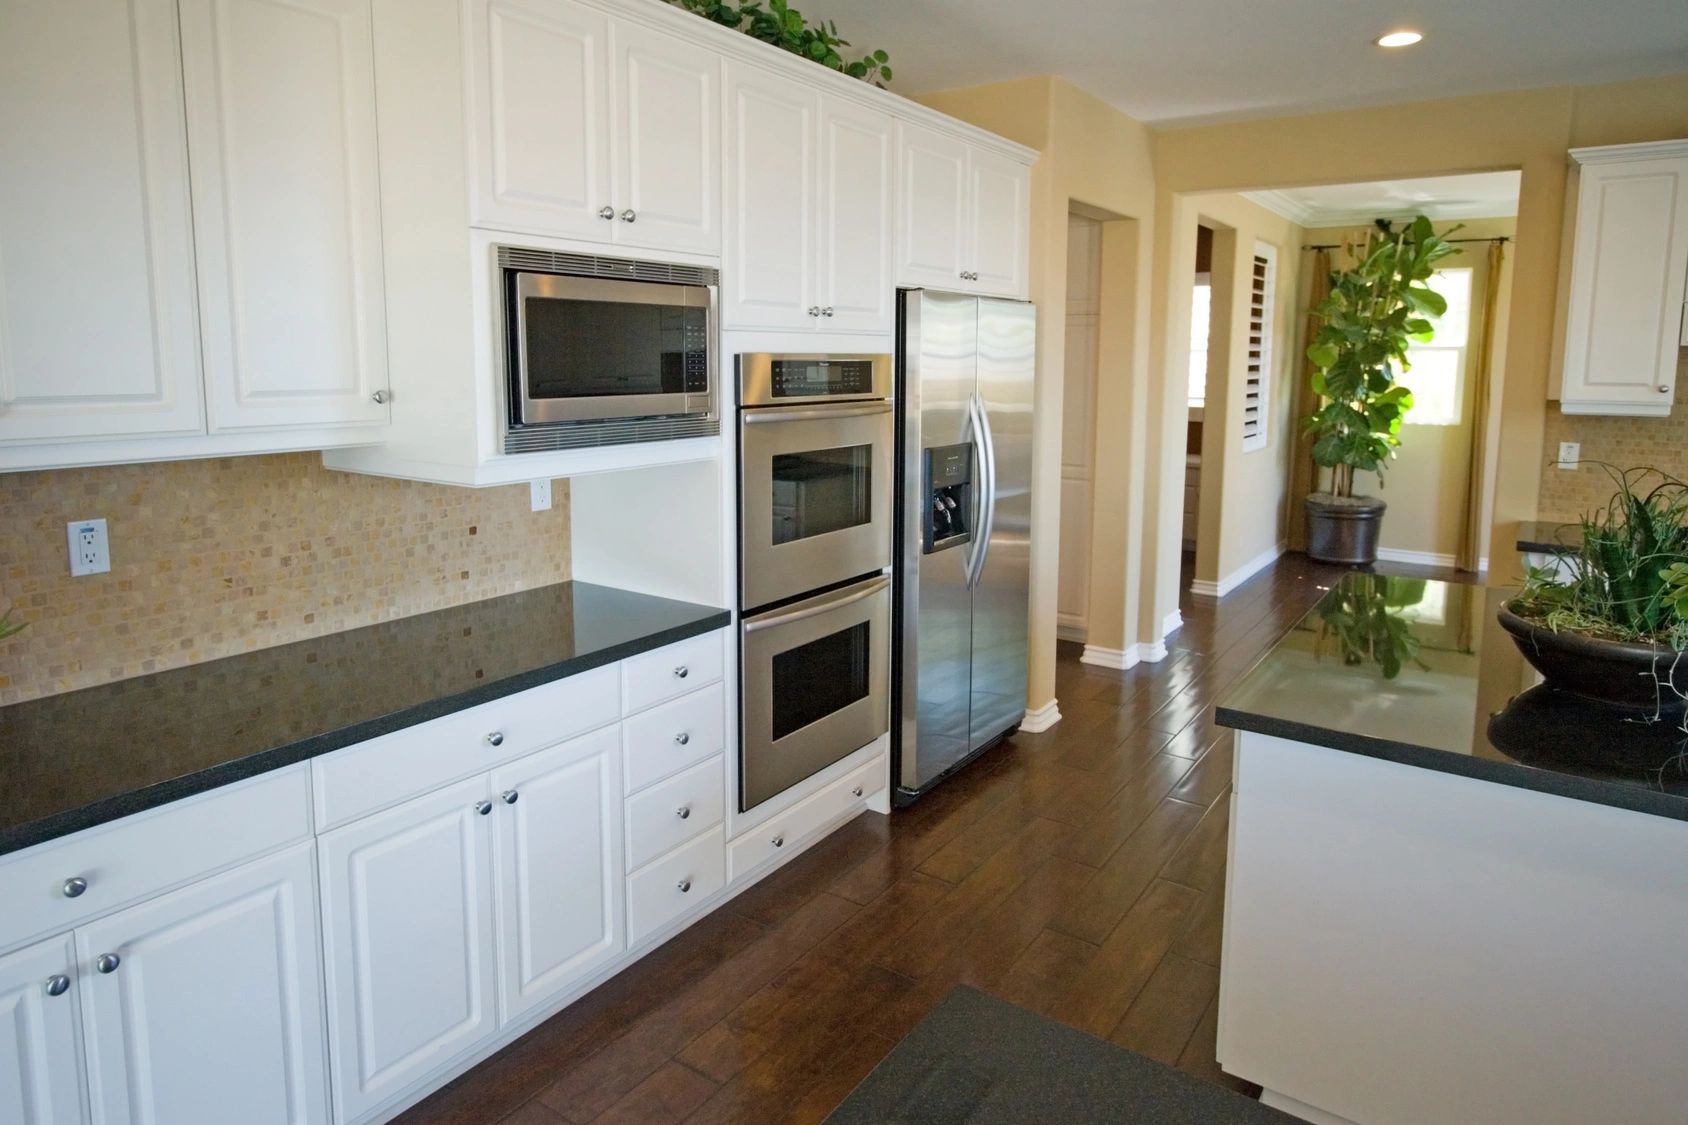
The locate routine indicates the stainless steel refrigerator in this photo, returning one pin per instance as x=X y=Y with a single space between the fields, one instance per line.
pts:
x=963 y=534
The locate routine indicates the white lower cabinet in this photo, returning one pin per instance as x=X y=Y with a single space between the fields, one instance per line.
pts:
x=40 y=1036
x=408 y=920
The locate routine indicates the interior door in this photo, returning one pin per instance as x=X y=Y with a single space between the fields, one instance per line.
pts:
x=40 y=1035
x=932 y=229
x=998 y=191
x=96 y=243
x=206 y=1004
x=408 y=929
x=559 y=867
x=769 y=279
x=287 y=211
x=857 y=163
x=540 y=118
x=667 y=140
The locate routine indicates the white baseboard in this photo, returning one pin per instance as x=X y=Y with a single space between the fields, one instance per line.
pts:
x=1041 y=719
x=1075 y=633
x=1118 y=659
x=1240 y=575
x=1414 y=558
x=1171 y=623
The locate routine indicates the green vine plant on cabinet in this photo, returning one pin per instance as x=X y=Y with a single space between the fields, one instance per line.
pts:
x=786 y=28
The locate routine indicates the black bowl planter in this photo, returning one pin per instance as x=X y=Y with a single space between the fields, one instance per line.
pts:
x=1343 y=529
x=1620 y=673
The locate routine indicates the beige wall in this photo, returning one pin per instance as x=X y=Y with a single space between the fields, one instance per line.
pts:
x=212 y=558
x=1662 y=443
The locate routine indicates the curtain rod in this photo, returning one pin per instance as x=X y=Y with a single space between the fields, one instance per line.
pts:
x=1340 y=245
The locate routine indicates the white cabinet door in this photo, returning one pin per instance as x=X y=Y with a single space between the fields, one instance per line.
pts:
x=1624 y=320
x=98 y=331
x=932 y=225
x=998 y=193
x=769 y=279
x=857 y=166
x=40 y=1036
x=408 y=929
x=666 y=135
x=540 y=117
x=287 y=220
x=559 y=867
x=210 y=1007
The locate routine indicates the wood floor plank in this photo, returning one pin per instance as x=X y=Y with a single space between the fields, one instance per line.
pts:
x=1200 y=862
x=669 y=1095
x=845 y=1071
x=1198 y=1058
x=1128 y=873
x=1114 y=823
x=1045 y=972
x=1100 y=996
x=1165 y=1014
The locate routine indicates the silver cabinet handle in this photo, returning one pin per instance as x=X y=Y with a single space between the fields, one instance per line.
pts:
x=483 y=807
x=683 y=737
x=509 y=796
x=606 y=212
x=684 y=812
x=684 y=885
x=856 y=792
x=827 y=311
x=814 y=310
x=496 y=738
x=682 y=672
x=1664 y=388
x=74 y=886
x=629 y=215
x=58 y=984
x=779 y=841
x=107 y=962
x=380 y=398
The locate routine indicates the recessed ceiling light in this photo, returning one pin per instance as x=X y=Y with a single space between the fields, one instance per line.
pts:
x=1399 y=39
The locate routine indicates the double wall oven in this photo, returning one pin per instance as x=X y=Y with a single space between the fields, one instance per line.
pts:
x=816 y=446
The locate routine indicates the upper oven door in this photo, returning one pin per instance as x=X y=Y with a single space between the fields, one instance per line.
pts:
x=814 y=497
x=586 y=347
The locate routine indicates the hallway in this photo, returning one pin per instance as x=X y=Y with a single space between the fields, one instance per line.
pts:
x=1079 y=872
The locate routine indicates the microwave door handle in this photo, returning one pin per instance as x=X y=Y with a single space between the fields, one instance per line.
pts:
x=987 y=502
x=814 y=414
x=833 y=601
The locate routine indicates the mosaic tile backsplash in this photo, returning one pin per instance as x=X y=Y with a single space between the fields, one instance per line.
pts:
x=1566 y=494
x=217 y=557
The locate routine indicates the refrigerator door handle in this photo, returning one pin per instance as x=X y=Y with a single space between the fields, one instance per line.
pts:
x=987 y=486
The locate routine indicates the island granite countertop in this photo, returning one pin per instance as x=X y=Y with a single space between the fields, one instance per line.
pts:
x=1468 y=704
x=72 y=761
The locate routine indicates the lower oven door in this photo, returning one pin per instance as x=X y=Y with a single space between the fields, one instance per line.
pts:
x=816 y=685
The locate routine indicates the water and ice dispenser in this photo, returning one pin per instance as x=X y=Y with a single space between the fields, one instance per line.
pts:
x=948 y=521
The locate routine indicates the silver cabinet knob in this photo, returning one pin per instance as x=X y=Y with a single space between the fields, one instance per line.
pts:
x=683 y=737
x=58 y=984
x=814 y=310
x=483 y=807
x=107 y=962
x=827 y=311
x=509 y=796
x=606 y=212
x=1664 y=388
x=629 y=215
x=496 y=738
x=856 y=792
x=684 y=812
x=779 y=841
x=73 y=887
x=379 y=398
x=684 y=885
x=682 y=672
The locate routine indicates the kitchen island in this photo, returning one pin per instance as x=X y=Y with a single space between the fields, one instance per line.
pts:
x=1453 y=893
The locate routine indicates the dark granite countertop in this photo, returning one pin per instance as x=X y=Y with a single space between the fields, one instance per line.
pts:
x=71 y=761
x=1468 y=705
x=1550 y=537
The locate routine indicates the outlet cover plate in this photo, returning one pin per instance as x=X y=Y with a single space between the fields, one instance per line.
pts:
x=540 y=494
x=1570 y=454
x=90 y=550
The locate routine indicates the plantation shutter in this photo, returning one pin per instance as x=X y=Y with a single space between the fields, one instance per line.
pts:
x=1263 y=285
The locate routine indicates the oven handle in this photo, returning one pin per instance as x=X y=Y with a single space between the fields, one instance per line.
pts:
x=987 y=502
x=816 y=413
x=836 y=600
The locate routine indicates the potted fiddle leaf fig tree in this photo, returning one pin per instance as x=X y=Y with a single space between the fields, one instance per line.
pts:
x=1376 y=309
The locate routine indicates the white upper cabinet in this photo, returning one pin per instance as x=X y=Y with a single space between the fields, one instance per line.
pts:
x=857 y=164
x=593 y=128
x=287 y=211
x=40 y=1040
x=963 y=221
x=98 y=330
x=1625 y=318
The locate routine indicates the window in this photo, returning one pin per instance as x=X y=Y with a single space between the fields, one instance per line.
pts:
x=1437 y=375
x=1201 y=312
x=1263 y=286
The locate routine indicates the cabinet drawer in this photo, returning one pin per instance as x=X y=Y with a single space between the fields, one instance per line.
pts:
x=674 y=884
x=669 y=738
x=849 y=794
x=358 y=780
x=150 y=852
x=670 y=671
x=654 y=820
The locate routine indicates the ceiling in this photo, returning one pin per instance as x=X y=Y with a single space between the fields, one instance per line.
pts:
x=1190 y=61
x=1486 y=195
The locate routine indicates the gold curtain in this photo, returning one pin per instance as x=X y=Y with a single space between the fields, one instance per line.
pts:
x=1473 y=532
x=1303 y=473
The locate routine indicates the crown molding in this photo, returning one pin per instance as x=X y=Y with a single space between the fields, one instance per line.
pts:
x=1283 y=206
x=1647 y=150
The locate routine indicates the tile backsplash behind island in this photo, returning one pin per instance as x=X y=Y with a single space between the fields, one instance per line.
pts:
x=216 y=557
x=1567 y=494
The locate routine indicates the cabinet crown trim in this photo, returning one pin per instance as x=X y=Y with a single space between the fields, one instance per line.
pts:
x=1614 y=154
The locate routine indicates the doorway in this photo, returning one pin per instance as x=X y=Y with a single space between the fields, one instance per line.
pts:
x=1078 y=430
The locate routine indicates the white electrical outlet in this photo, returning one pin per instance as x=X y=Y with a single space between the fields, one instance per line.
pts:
x=540 y=491
x=90 y=551
x=1570 y=453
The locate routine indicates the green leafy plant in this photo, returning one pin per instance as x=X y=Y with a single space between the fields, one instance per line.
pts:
x=1375 y=311
x=1364 y=617
x=9 y=625
x=785 y=27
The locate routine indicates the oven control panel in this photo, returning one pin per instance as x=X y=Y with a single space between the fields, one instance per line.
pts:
x=767 y=379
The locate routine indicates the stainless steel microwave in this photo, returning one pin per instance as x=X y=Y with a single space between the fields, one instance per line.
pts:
x=607 y=349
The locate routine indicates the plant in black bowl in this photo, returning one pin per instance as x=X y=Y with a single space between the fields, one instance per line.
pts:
x=1363 y=615
x=1611 y=623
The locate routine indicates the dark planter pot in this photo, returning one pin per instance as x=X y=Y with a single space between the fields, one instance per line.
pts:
x=1619 y=673
x=1344 y=532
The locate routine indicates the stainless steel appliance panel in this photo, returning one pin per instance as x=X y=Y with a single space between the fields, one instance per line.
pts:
x=765 y=377
x=816 y=682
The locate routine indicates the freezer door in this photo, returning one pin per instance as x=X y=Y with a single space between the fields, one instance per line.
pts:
x=1007 y=339
x=938 y=383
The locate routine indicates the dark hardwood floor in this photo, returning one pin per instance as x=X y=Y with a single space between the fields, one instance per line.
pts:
x=1079 y=872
